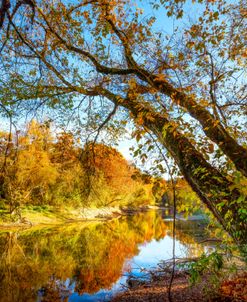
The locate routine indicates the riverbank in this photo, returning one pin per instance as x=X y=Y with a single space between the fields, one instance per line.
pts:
x=36 y=215
x=99 y=257
x=156 y=289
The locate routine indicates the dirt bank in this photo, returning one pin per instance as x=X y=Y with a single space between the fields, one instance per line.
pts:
x=157 y=290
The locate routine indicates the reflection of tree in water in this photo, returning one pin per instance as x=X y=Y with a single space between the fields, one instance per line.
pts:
x=91 y=255
x=102 y=263
x=190 y=233
x=15 y=271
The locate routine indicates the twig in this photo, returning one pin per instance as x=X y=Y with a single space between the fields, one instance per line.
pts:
x=173 y=221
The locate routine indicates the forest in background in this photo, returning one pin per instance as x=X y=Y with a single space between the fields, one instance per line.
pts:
x=43 y=168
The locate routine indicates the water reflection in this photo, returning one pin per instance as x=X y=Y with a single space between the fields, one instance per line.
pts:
x=73 y=262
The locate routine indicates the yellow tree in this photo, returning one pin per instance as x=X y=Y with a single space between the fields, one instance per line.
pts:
x=34 y=172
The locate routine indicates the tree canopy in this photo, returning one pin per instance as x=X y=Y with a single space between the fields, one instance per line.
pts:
x=186 y=88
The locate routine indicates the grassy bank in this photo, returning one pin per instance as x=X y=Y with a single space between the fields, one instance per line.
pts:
x=48 y=215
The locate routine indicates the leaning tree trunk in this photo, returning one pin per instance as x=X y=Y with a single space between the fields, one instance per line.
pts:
x=210 y=185
x=211 y=126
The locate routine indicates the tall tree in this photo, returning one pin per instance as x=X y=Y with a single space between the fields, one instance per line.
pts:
x=187 y=88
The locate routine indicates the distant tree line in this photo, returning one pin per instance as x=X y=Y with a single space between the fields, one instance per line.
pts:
x=39 y=167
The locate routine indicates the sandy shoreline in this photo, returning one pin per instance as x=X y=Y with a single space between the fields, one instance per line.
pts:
x=52 y=217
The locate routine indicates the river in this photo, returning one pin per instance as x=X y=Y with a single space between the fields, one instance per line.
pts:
x=89 y=261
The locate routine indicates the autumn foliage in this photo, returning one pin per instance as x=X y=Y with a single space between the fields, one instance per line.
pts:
x=39 y=168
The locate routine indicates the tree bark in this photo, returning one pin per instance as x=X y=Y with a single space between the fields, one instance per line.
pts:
x=211 y=126
x=209 y=184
